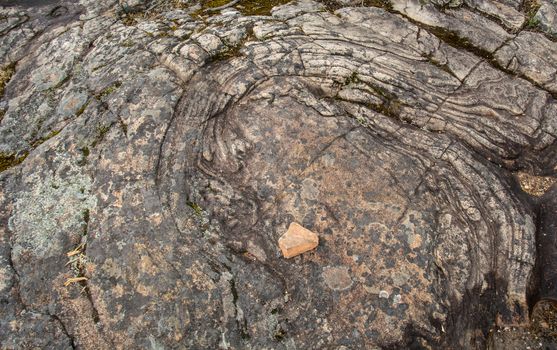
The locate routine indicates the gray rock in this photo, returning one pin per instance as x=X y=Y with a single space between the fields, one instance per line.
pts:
x=510 y=17
x=150 y=160
x=466 y=26
x=546 y=18
x=134 y=5
x=533 y=56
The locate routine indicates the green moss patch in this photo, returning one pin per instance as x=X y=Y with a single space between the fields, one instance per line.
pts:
x=216 y=3
x=246 y=7
x=10 y=160
x=108 y=90
x=259 y=8
x=196 y=208
x=530 y=8
x=45 y=138
x=5 y=76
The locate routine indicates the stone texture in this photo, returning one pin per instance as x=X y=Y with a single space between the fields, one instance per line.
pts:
x=479 y=31
x=546 y=18
x=134 y=5
x=509 y=16
x=337 y=278
x=297 y=240
x=533 y=56
x=174 y=145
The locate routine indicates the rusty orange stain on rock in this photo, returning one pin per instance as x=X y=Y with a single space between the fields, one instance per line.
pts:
x=297 y=240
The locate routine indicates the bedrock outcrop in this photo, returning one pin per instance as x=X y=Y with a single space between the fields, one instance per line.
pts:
x=153 y=152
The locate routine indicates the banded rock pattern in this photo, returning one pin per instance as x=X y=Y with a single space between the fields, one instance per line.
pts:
x=171 y=147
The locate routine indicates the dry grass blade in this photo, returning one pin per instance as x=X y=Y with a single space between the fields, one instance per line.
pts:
x=74 y=280
x=71 y=261
x=76 y=251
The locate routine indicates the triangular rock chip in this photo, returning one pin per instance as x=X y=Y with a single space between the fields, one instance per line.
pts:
x=297 y=240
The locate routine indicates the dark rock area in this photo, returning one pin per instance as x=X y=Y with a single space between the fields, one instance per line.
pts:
x=152 y=152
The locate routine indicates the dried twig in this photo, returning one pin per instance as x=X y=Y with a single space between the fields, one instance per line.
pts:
x=76 y=251
x=74 y=280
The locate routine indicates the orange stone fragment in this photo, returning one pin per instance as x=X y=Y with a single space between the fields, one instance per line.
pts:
x=297 y=240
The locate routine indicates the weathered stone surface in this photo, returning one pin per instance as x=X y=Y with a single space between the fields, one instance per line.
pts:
x=297 y=240
x=337 y=278
x=546 y=18
x=174 y=145
x=533 y=56
x=467 y=25
x=134 y=5
x=509 y=16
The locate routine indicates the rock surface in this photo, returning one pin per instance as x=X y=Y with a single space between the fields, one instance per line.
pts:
x=546 y=17
x=173 y=145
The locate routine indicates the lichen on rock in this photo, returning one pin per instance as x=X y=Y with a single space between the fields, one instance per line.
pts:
x=50 y=211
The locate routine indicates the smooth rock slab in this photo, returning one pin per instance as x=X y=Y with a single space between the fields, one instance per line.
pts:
x=546 y=17
x=178 y=148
